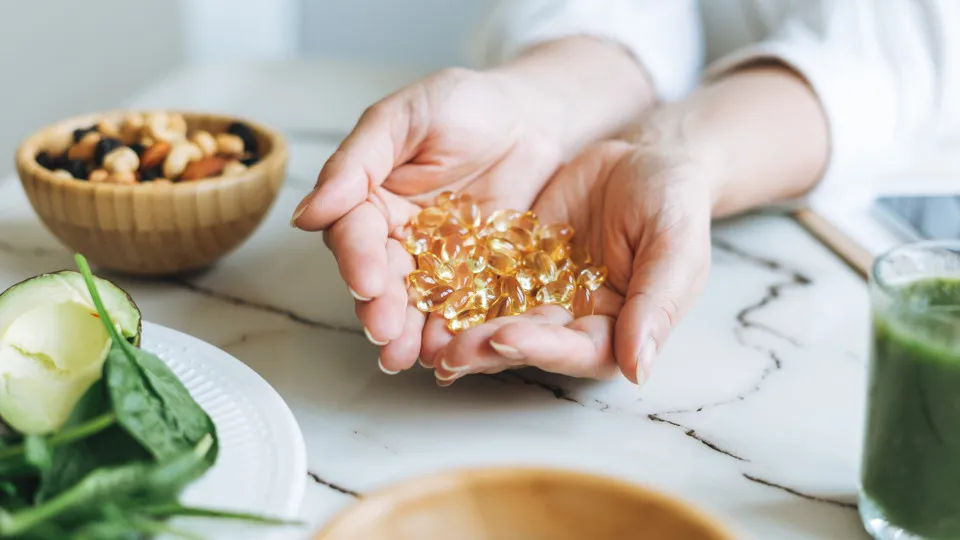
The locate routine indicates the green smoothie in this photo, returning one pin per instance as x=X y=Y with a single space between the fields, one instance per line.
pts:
x=911 y=460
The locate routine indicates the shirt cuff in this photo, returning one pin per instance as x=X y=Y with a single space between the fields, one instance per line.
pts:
x=856 y=93
x=664 y=37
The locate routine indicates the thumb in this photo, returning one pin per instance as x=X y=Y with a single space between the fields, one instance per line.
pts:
x=377 y=144
x=667 y=274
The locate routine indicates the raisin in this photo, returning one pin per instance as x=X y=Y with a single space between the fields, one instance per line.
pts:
x=77 y=168
x=151 y=174
x=104 y=147
x=46 y=160
x=246 y=134
x=250 y=161
x=80 y=132
x=138 y=148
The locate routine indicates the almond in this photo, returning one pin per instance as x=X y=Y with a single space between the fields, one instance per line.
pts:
x=154 y=155
x=204 y=168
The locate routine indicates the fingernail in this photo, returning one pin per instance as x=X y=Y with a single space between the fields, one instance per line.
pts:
x=454 y=369
x=444 y=384
x=424 y=364
x=370 y=337
x=445 y=377
x=645 y=358
x=354 y=294
x=506 y=350
x=301 y=208
x=385 y=370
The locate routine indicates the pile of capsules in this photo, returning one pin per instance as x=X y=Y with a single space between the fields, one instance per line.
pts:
x=472 y=270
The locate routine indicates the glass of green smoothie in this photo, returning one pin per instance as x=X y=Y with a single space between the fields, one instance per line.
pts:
x=910 y=475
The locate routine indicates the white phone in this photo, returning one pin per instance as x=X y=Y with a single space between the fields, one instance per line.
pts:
x=921 y=217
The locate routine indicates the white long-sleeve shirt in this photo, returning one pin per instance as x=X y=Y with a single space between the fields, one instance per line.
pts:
x=887 y=72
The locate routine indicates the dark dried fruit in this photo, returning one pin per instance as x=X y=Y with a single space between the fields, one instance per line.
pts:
x=46 y=160
x=138 y=148
x=151 y=174
x=77 y=168
x=104 y=147
x=250 y=161
x=80 y=132
x=246 y=134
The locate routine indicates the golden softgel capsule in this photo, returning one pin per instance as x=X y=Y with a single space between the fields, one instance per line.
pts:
x=472 y=269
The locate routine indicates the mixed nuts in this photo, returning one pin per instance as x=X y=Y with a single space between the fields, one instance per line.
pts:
x=154 y=147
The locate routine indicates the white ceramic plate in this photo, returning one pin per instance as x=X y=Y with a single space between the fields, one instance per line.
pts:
x=262 y=465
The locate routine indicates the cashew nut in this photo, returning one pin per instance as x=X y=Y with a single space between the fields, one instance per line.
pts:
x=131 y=127
x=180 y=155
x=63 y=173
x=162 y=127
x=229 y=144
x=99 y=176
x=122 y=177
x=123 y=159
x=205 y=141
x=85 y=148
x=234 y=168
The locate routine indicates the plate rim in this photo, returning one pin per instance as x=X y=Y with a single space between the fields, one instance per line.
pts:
x=298 y=450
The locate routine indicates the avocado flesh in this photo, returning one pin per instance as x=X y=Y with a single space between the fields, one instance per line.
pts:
x=53 y=346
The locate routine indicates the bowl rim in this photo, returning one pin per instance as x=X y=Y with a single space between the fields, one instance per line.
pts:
x=383 y=499
x=26 y=162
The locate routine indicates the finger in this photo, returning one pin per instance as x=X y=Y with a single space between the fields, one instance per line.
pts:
x=583 y=348
x=664 y=281
x=359 y=165
x=435 y=337
x=384 y=317
x=473 y=350
x=358 y=241
x=401 y=353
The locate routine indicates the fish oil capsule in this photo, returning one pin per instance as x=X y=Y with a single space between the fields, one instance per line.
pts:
x=451 y=248
x=445 y=272
x=557 y=292
x=501 y=307
x=451 y=226
x=461 y=276
x=527 y=278
x=522 y=239
x=422 y=281
x=542 y=265
x=527 y=221
x=556 y=231
x=456 y=303
x=436 y=247
x=429 y=218
x=477 y=260
x=484 y=298
x=592 y=277
x=468 y=212
x=566 y=265
x=447 y=200
x=579 y=256
x=499 y=245
x=434 y=298
x=428 y=262
x=416 y=242
x=467 y=319
x=510 y=287
x=501 y=220
x=484 y=280
x=502 y=264
x=556 y=249
x=583 y=303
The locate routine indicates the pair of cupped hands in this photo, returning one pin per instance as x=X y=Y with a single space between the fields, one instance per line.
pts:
x=638 y=208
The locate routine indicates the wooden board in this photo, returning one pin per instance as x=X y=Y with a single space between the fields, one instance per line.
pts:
x=852 y=253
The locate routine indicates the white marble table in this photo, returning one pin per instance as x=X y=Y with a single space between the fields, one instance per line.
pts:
x=754 y=410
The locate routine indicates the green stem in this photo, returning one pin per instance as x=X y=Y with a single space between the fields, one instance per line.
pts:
x=177 y=510
x=87 y=275
x=90 y=427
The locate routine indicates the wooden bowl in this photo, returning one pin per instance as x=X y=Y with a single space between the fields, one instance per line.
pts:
x=520 y=504
x=150 y=229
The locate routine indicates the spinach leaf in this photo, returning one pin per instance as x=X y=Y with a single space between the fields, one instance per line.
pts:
x=108 y=445
x=106 y=486
x=151 y=403
x=37 y=453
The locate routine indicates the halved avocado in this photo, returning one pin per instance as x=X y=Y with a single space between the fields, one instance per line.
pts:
x=53 y=345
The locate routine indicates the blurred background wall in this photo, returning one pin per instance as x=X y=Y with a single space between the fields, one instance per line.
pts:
x=65 y=57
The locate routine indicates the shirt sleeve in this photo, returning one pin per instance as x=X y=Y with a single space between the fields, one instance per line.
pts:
x=665 y=36
x=887 y=75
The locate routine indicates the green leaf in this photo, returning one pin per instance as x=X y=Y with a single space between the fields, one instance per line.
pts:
x=177 y=510
x=105 y=445
x=37 y=453
x=151 y=403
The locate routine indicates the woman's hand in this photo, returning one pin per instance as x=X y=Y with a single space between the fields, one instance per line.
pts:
x=644 y=210
x=498 y=135
x=643 y=213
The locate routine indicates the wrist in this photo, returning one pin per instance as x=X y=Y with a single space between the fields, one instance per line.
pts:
x=578 y=89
